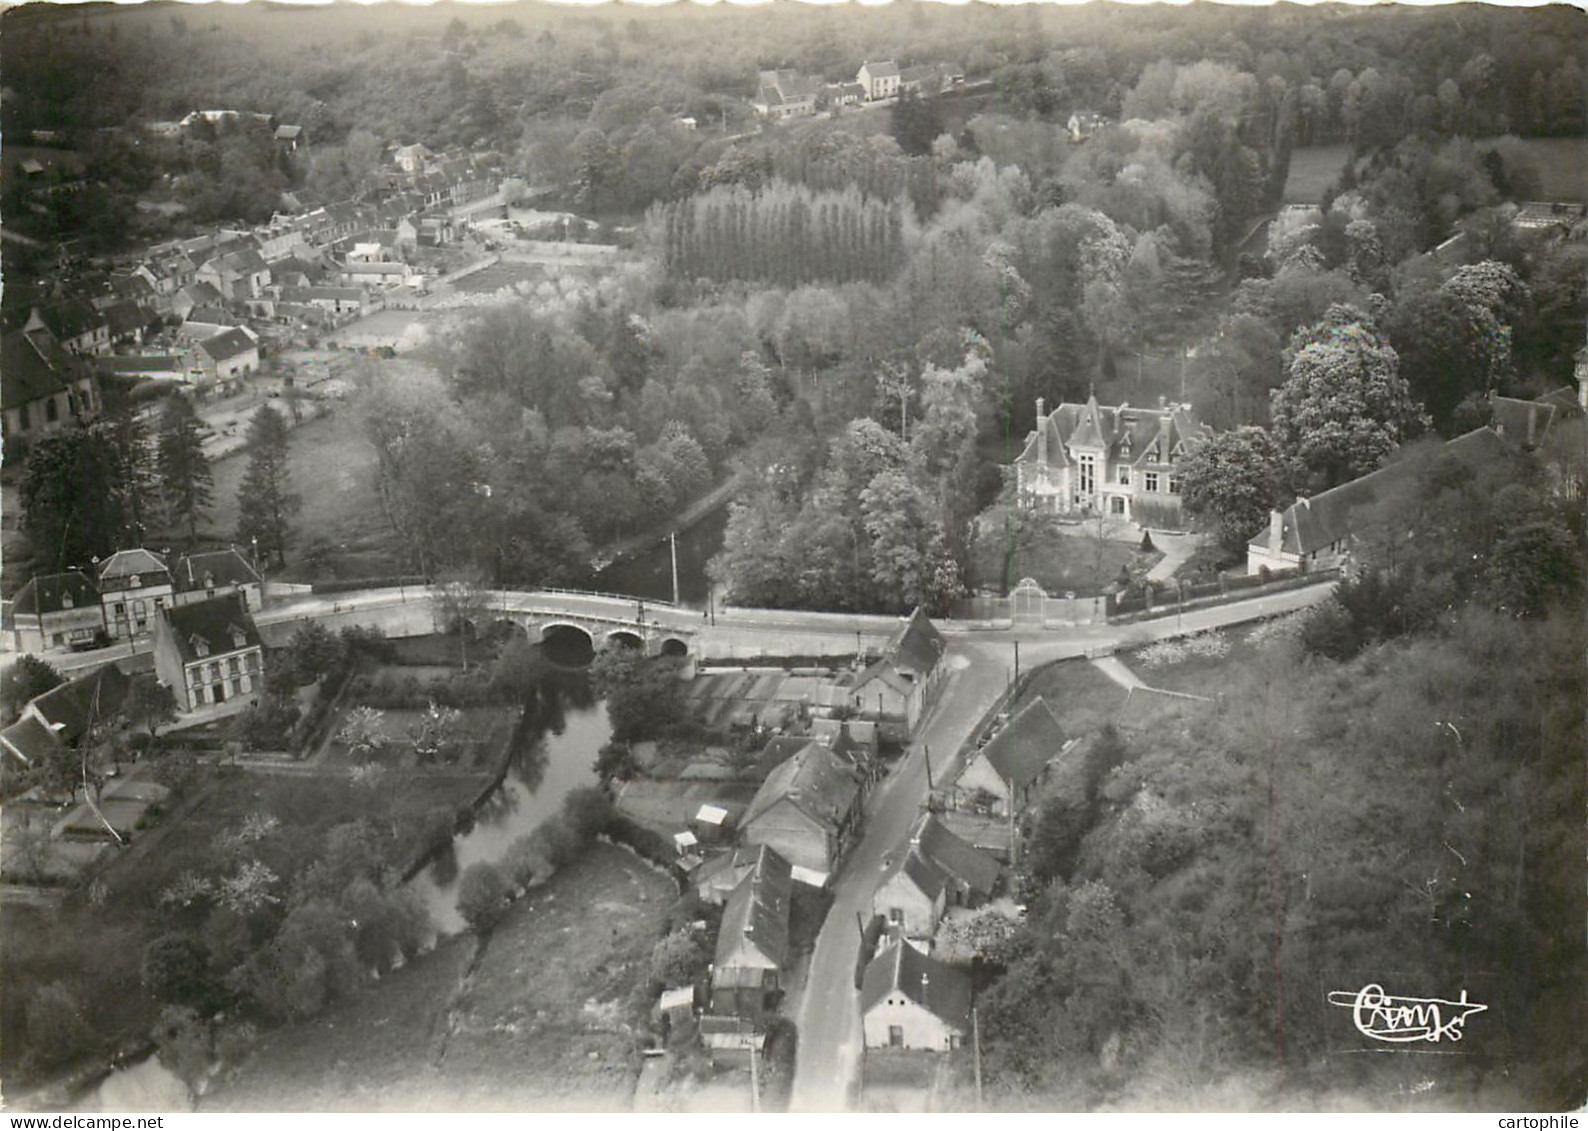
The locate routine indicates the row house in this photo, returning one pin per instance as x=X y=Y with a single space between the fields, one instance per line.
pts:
x=43 y=388
x=910 y=1001
x=124 y=595
x=930 y=78
x=167 y=274
x=786 y=94
x=753 y=941
x=209 y=652
x=1121 y=461
x=808 y=809
x=897 y=689
x=237 y=275
x=999 y=777
x=226 y=359
x=843 y=94
x=938 y=871
x=195 y=296
x=375 y=274
x=331 y=300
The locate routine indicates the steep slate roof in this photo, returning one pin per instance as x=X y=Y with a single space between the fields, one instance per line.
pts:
x=28 y=740
x=70 y=318
x=127 y=563
x=228 y=344
x=924 y=874
x=881 y=69
x=50 y=593
x=223 y=567
x=955 y=857
x=32 y=366
x=1310 y=524
x=901 y=969
x=1126 y=432
x=1026 y=744
x=754 y=929
x=918 y=646
x=127 y=317
x=213 y=622
x=68 y=708
x=815 y=781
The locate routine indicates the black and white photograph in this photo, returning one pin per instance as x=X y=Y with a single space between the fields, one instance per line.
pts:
x=705 y=559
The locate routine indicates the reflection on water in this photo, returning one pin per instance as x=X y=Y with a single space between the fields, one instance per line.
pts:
x=554 y=758
x=650 y=573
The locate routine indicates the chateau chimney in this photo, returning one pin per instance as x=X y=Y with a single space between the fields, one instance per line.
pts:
x=1276 y=531
x=1042 y=432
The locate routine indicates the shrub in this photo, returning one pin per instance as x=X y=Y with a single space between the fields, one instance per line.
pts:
x=174 y=971
x=526 y=860
x=587 y=812
x=678 y=958
x=482 y=895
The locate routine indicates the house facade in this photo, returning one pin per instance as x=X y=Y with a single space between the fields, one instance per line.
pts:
x=209 y=652
x=881 y=79
x=134 y=586
x=76 y=326
x=228 y=357
x=1122 y=461
x=901 y=685
x=910 y=1001
x=808 y=809
x=753 y=942
x=42 y=387
x=58 y=610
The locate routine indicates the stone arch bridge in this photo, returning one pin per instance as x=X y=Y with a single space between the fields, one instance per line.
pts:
x=652 y=637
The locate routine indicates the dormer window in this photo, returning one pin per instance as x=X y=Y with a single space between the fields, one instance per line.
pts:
x=239 y=637
x=201 y=647
x=209 y=581
x=66 y=600
x=134 y=581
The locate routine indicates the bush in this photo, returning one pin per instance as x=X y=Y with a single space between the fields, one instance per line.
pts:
x=587 y=812
x=526 y=860
x=174 y=971
x=677 y=959
x=482 y=896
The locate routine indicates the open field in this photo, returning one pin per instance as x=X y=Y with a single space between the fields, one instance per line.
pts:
x=499 y=275
x=549 y=1018
x=96 y=952
x=333 y=469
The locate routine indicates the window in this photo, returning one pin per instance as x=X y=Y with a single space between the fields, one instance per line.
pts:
x=237 y=688
x=1088 y=475
x=66 y=600
x=1150 y=479
x=195 y=676
x=201 y=647
x=57 y=640
x=1116 y=505
x=52 y=410
x=214 y=672
x=233 y=666
x=895 y=914
x=1124 y=474
x=120 y=611
x=23 y=423
x=896 y=1036
x=1174 y=485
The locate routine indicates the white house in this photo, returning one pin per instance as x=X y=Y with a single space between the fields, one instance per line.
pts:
x=881 y=79
x=910 y=1001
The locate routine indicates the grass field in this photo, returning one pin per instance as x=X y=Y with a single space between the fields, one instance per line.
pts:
x=499 y=275
x=551 y=1017
x=1562 y=166
x=332 y=467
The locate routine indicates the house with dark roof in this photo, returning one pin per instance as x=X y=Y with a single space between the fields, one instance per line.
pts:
x=898 y=688
x=197 y=295
x=753 y=941
x=42 y=387
x=1001 y=774
x=217 y=573
x=57 y=610
x=1320 y=532
x=808 y=809
x=134 y=585
x=228 y=357
x=209 y=652
x=130 y=322
x=936 y=872
x=74 y=324
x=786 y=94
x=1122 y=461
x=910 y=1001
x=63 y=715
x=881 y=79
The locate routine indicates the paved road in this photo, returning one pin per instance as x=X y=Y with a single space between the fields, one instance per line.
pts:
x=830 y=1041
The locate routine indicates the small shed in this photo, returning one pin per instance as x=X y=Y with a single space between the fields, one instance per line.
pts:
x=678 y=1005
x=684 y=842
x=712 y=824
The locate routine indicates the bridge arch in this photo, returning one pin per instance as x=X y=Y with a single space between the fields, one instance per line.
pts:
x=673 y=646
x=623 y=638
x=567 y=643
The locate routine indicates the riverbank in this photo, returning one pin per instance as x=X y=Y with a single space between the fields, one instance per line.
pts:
x=550 y=1016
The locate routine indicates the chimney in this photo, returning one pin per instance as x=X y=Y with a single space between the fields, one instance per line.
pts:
x=1276 y=531
x=1042 y=433
x=1532 y=422
x=1163 y=402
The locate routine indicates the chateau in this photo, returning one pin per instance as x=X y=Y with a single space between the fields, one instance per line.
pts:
x=1123 y=462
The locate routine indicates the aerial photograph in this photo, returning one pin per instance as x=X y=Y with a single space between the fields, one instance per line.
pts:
x=720 y=558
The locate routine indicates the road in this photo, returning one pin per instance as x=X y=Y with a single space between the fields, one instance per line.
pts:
x=828 y=1019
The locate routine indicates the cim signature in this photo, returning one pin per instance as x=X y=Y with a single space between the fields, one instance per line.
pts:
x=1402 y=1020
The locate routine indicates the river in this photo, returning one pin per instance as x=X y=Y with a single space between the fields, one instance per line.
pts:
x=548 y=766
x=555 y=757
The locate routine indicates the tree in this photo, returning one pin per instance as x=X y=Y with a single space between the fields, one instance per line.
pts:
x=677 y=958
x=174 y=971
x=313 y=653
x=1233 y=480
x=460 y=603
x=434 y=734
x=25 y=681
x=483 y=895
x=186 y=481
x=363 y=733
x=1344 y=406
x=1533 y=567
x=644 y=696
x=150 y=704
x=71 y=505
x=265 y=501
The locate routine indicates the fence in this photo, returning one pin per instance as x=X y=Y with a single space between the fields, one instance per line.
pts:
x=1162 y=600
x=354 y=584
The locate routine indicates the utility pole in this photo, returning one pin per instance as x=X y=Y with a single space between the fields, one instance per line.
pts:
x=673 y=540
x=926 y=752
x=975 y=1040
x=1017 y=666
x=755 y=1079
